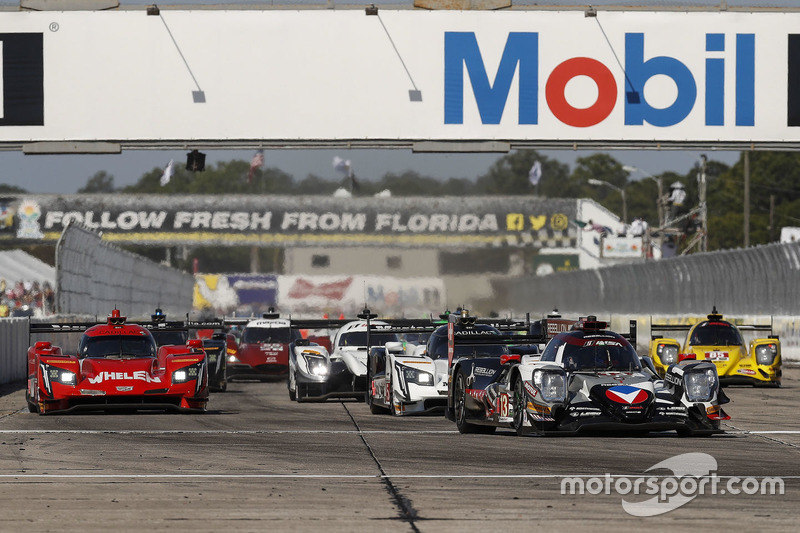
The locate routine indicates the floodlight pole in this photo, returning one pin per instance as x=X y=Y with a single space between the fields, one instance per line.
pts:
x=596 y=182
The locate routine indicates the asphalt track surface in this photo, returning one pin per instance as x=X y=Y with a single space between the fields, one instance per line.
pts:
x=259 y=462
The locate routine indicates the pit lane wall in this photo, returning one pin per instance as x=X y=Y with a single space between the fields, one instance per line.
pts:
x=93 y=277
x=13 y=345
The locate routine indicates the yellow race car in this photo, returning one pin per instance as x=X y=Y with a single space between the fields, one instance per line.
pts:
x=721 y=342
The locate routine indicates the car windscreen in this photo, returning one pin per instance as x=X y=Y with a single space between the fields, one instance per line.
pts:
x=600 y=354
x=272 y=335
x=416 y=338
x=490 y=350
x=118 y=346
x=164 y=338
x=715 y=334
x=359 y=338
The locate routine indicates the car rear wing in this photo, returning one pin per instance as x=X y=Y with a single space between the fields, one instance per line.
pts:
x=60 y=327
x=544 y=330
x=768 y=328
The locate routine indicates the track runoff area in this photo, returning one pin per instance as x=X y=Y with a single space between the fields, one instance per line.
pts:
x=257 y=460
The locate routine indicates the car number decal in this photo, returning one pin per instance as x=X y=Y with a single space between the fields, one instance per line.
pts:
x=502 y=405
x=717 y=356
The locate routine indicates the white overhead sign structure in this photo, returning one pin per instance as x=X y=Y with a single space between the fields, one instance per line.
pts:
x=400 y=79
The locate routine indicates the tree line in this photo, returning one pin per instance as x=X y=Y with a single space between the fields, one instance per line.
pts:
x=774 y=188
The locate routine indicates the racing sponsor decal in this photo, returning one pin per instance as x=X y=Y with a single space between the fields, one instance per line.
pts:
x=625 y=394
x=139 y=375
x=531 y=390
x=125 y=388
x=556 y=326
x=746 y=371
x=271 y=347
x=672 y=379
x=481 y=371
x=672 y=410
x=602 y=342
x=476 y=393
x=578 y=411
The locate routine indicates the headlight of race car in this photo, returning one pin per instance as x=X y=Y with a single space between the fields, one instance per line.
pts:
x=700 y=385
x=668 y=353
x=187 y=373
x=59 y=375
x=414 y=375
x=766 y=353
x=553 y=385
x=317 y=365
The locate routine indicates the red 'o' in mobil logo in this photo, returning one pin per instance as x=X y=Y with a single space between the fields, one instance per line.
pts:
x=521 y=58
x=626 y=394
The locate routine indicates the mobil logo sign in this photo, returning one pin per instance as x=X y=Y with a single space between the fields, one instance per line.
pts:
x=634 y=78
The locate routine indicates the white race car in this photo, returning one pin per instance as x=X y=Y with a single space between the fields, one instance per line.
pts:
x=405 y=379
x=315 y=374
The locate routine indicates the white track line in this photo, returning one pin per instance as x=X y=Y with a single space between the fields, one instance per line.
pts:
x=221 y=432
x=349 y=476
x=294 y=431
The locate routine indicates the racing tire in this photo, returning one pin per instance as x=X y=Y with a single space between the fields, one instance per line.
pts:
x=460 y=393
x=519 y=408
x=392 y=410
x=374 y=408
x=33 y=407
x=33 y=401
x=292 y=386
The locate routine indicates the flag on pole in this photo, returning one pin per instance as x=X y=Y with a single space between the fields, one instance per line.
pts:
x=535 y=174
x=256 y=163
x=167 y=174
x=343 y=166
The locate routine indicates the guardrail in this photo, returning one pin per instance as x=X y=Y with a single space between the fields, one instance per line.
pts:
x=13 y=349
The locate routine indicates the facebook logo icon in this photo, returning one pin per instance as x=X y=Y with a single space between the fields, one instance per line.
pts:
x=22 y=75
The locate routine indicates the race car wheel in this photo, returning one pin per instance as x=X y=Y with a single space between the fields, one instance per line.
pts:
x=519 y=407
x=460 y=396
x=292 y=385
x=374 y=408
x=33 y=406
x=392 y=403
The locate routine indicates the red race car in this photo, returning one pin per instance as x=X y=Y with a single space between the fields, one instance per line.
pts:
x=118 y=366
x=263 y=352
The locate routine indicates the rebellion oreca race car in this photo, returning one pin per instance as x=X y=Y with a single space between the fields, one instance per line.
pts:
x=263 y=351
x=588 y=379
x=315 y=374
x=721 y=343
x=118 y=366
x=177 y=333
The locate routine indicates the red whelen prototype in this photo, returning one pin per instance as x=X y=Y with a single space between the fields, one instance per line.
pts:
x=118 y=366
